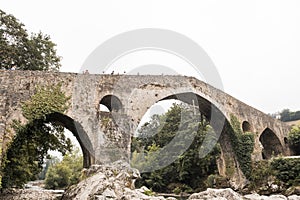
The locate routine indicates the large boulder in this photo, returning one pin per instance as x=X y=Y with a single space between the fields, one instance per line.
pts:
x=263 y=197
x=271 y=197
x=216 y=194
x=229 y=194
x=113 y=181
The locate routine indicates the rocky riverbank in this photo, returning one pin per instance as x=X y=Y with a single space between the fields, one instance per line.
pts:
x=229 y=194
x=30 y=194
x=141 y=194
x=116 y=181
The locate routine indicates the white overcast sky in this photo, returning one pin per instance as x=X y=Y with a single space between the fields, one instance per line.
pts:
x=255 y=45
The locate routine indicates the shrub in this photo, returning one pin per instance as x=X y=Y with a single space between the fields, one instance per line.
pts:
x=287 y=170
x=294 y=139
x=65 y=173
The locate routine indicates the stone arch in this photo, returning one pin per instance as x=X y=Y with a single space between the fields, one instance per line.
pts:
x=227 y=164
x=78 y=132
x=246 y=126
x=112 y=102
x=271 y=144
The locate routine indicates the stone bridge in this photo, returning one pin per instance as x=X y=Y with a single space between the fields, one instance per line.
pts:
x=128 y=97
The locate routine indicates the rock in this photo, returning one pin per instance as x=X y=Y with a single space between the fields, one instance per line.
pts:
x=293 y=197
x=135 y=194
x=28 y=194
x=255 y=197
x=143 y=189
x=216 y=194
x=263 y=197
x=277 y=197
x=114 y=181
x=109 y=193
x=274 y=188
x=293 y=190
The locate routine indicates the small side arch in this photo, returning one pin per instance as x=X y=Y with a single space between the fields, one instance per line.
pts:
x=246 y=127
x=111 y=102
x=271 y=144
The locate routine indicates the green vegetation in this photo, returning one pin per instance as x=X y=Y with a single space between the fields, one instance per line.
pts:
x=284 y=172
x=243 y=145
x=62 y=174
x=294 y=139
x=24 y=156
x=47 y=164
x=32 y=141
x=22 y=51
x=105 y=122
x=287 y=170
x=286 y=115
x=281 y=171
x=261 y=174
x=188 y=172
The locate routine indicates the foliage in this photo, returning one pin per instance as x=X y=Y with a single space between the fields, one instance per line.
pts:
x=105 y=122
x=65 y=173
x=32 y=141
x=149 y=193
x=284 y=172
x=243 y=146
x=287 y=170
x=49 y=162
x=287 y=115
x=188 y=171
x=261 y=174
x=294 y=139
x=22 y=51
x=217 y=181
x=46 y=100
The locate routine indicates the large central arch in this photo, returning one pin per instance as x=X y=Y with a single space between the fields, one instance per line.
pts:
x=222 y=127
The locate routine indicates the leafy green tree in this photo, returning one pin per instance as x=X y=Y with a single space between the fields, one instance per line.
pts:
x=22 y=51
x=287 y=115
x=65 y=173
x=188 y=171
x=294 y=139
x=287 y=170
x=49 y=162
x=29 y=148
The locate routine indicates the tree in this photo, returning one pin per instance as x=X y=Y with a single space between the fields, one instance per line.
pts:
x=188 y=171
x=29 y=148
x=294 y=139
x=286 y=115
x=22 y=51
x=65 y=173
x=49 y=162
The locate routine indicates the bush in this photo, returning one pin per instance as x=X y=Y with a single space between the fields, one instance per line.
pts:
x=65 y=173
x=261 y=174
x=294 y=139
x=287 y=170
